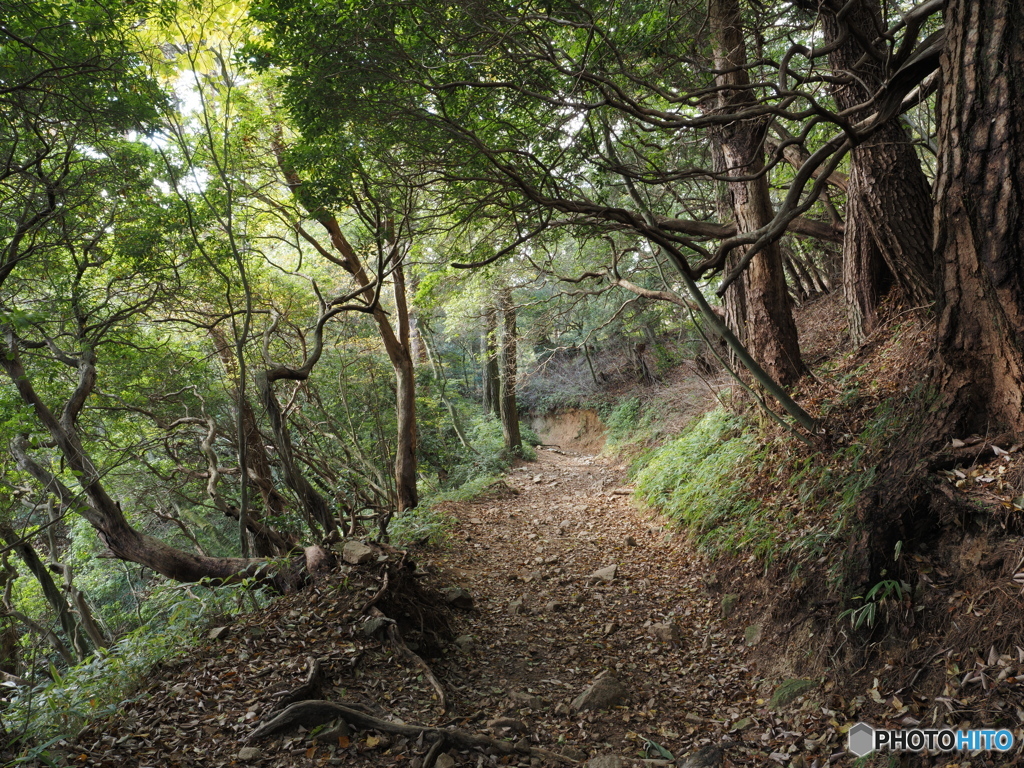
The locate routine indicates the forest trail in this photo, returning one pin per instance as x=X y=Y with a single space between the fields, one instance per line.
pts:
x=543 y=627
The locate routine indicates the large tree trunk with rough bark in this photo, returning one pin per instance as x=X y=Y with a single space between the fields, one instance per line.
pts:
x=888 y=237
x=764 y=322
x=978 y=217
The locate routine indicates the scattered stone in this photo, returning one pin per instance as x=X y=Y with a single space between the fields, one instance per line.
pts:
x=536 y=478
x=565 y=525
x=357 y=553
x=610 y=627
x=374 y=624
x=516 y=607
x=604 y=574
x=562 y=709
x=465 y=642
x=444 y=760
x=532 y=536
x=459 y=598
x=666 y=633
x=217 y=633
x=605 y=693
x=752 y=634
x=574 y=753
x=729 y=602
x=523 y=699
x=248 y=754
x=630 y=541
x=554 y=606
x=533 y=576
x=790 y=690
x=551 y=560
x=708 y=756
x=476 y=521
x=605 y=761
x=501 y=723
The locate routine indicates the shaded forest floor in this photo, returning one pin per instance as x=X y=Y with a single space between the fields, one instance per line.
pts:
x=541 y=630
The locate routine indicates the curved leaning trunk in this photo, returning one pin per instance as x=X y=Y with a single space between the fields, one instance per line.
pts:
x=99 y=509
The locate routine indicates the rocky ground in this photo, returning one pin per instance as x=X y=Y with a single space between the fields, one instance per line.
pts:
x=592 y=633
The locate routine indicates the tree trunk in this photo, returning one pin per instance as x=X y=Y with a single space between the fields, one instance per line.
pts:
x=765 y=322
x=866 y=276
x=101 y=511
x=65 y=614
x=400 y=353
x=978 y=218
x=257 y=462
x=315 y=507
x=509 y=409
x=888 y=217
x=491 y=374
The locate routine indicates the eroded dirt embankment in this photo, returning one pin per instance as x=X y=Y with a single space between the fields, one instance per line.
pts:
x=577 y=429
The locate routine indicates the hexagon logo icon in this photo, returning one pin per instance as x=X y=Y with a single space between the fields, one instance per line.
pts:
x=861 y=739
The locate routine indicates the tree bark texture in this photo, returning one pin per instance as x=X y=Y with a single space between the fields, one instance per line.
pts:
x=509 y=408
x=978 y=216
x=888 y=218
x=765 y=325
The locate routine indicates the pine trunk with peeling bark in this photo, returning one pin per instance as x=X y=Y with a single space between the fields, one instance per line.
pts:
x=978 y=217
x=764 y=321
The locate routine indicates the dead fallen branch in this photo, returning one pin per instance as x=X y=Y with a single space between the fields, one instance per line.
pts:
x=310 y=714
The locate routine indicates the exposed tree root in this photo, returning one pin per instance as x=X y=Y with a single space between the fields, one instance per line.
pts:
x=310 y=689
x=435 y=749
x=396 y=640
x=312 y=713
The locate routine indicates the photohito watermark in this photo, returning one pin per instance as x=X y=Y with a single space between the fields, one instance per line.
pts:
x=862 y=740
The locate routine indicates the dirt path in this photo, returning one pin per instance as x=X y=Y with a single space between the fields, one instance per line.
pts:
x=540 y=626
x=540 y=632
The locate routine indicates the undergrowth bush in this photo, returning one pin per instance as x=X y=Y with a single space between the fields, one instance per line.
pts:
x=700 y=479
x=623 y=421
x=99 y=686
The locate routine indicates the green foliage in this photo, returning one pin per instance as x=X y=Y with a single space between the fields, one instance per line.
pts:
x=880 y=598
x=700 y=480
x=99 y=686
x=424 y=524
x=623 y=420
